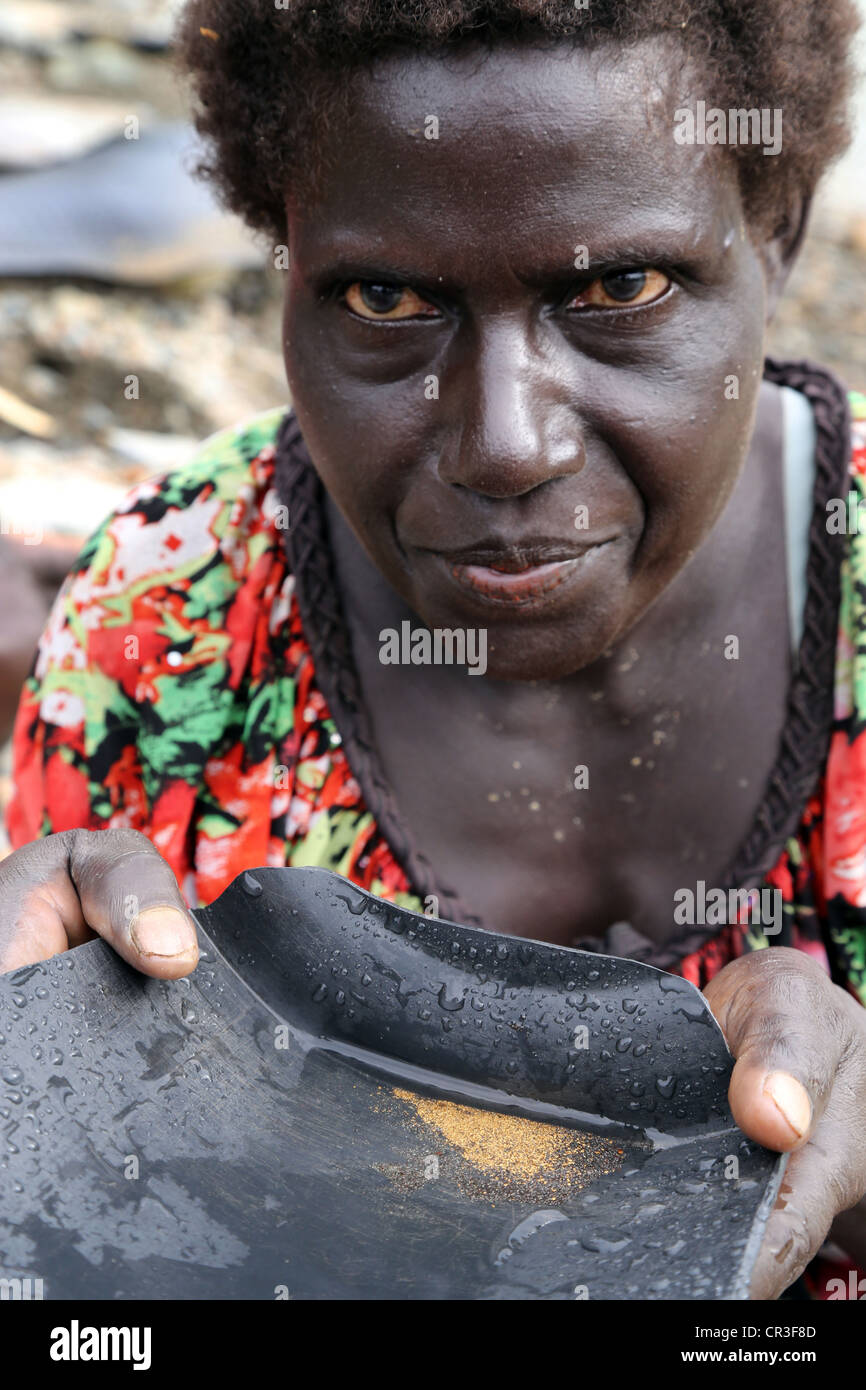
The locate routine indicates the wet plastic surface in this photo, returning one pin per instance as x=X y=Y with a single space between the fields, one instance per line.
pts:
x=279 y=1123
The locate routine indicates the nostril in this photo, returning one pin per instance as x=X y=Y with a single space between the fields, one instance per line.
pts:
x=498 y=478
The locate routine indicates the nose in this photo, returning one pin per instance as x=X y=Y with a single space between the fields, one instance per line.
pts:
x=517 y=429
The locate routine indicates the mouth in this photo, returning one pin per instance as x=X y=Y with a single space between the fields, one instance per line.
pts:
x=518 y=575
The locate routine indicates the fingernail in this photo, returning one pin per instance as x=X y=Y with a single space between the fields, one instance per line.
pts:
x=791 y=1100
x=161 y=931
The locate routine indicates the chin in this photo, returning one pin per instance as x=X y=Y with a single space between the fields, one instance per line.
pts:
x=534 y=650
x=541 y=657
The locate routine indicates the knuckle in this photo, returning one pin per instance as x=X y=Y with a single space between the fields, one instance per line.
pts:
x=121 y=841
x=31 y=863
x=115 y=865
x=787 y=1003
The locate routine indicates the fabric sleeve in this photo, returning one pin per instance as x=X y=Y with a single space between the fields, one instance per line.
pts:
x=141 y=679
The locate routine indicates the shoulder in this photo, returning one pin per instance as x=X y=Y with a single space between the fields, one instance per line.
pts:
x=180 y=557
x=232 y=458
x=219 y=502
x=236 y=463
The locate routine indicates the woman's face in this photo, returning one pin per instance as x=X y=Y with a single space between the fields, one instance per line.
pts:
x=525 y=436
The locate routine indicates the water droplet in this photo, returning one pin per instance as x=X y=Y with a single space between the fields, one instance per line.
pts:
x=451 y=1003
x=320 y=993
x=666 y=1085
x=696 y=1015
x=251 y=886
x=605 y=1242
x=673 y=984
x=533 y=1223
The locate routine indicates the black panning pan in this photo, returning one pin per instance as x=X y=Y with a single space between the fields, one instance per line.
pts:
x=348 y=1100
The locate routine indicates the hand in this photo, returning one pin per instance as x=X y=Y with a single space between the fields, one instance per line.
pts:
x=67 y=888
x=799 y=1084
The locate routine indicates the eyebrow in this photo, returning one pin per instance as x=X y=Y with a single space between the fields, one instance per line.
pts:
x=668 y=243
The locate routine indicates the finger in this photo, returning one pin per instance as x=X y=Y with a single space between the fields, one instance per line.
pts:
x=787 y=1027
x=57 y=891
x=815 y=1186
x=40 y=914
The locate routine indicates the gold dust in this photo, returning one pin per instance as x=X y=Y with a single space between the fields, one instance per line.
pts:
x=511 y=1157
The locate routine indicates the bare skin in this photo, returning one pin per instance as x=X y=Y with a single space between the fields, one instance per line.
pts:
x=64 y=890
x=703 y=732
x=546 y=403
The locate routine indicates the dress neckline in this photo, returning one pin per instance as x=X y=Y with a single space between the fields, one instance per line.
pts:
x=805 y=735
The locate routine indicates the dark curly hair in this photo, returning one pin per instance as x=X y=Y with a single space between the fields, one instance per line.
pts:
x=268 y=75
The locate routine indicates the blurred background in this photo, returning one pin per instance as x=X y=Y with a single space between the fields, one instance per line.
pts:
x=136 y=318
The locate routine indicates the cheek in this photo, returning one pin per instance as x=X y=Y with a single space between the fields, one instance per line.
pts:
x=696 y=425
x=355 y=438
x=688 y=472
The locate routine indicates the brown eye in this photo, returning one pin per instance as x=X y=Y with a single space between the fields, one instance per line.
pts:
x=372 y=299
x=622 y=287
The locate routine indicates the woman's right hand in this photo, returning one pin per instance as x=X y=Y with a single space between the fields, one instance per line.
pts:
x=65 y=889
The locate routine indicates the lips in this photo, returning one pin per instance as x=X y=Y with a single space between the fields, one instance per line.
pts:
x=515 y=586
x=518 y=557
x=517 y=575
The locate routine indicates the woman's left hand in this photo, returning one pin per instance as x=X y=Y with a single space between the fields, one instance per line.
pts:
x=799 y=1083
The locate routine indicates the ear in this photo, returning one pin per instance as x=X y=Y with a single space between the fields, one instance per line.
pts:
x=780 y=251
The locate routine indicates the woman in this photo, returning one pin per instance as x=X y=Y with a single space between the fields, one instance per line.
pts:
x=524 y=338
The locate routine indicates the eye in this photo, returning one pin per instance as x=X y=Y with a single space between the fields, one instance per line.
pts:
x=622 y=287
x=376 y=300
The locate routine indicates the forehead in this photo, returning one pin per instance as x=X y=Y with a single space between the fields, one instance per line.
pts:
x=516 y=144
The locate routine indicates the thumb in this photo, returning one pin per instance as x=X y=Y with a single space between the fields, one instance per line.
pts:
x=57 y=891
x=776 y=1010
